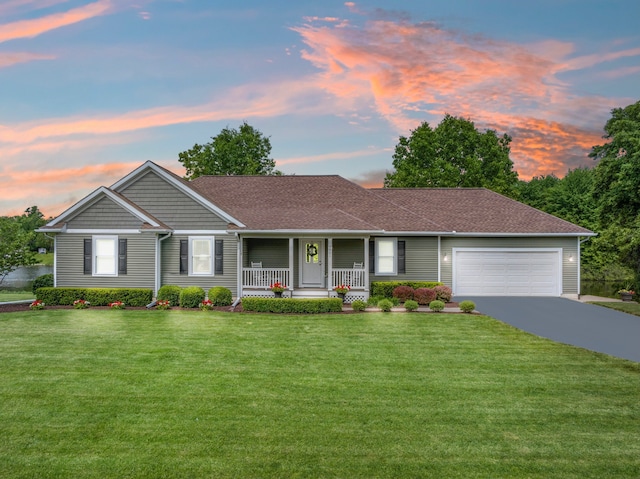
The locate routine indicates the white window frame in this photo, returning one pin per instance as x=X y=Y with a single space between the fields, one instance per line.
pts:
x=212 y=243
x=94 y=255
x=394 y=258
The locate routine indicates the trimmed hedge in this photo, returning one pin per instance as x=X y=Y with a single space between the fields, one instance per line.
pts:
x=385 y=288
x=135 y=297
x=290 y=305
x=191 y=297
x=171 y=293
x=220 y=296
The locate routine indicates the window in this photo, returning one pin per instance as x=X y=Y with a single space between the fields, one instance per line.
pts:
x=386 y=251
x=201 y=256
x=105 y=256
x=387 y=256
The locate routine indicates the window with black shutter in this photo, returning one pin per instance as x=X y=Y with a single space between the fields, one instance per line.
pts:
x=88 y=261
x=184 y=257
x=219 y=257
x=122 y=256
x=401 y=257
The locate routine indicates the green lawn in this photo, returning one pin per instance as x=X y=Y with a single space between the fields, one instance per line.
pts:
x=7 y=296
x=630 y=307
x=175 y=394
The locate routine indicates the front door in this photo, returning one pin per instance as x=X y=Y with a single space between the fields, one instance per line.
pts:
x=312 y=261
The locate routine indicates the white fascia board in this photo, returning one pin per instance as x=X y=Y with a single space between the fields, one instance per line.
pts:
x=515 y=235
x=308 y=232
x=178 y=184
x=101 y=231
x=202 y=232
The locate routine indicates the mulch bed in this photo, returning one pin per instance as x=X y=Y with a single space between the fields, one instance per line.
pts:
x=17 y=307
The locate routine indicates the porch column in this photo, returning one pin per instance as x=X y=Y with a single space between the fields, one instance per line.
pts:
x=239 y=253
x=290 y=285
x=366 y=263
x=329 y=263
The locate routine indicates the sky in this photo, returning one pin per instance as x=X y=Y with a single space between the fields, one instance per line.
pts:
x=91 y=89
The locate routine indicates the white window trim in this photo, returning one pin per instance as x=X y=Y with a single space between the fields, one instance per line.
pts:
x=94 y=255
x=394 y=272
x=212 y=244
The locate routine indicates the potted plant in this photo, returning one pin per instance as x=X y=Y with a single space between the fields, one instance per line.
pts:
x=342 y=290
x=277 y=288
x=626 y=294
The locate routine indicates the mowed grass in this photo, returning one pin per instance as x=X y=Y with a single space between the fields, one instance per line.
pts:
x=630 y=307
x=175 y=394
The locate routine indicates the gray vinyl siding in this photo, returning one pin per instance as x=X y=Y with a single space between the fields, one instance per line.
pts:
x=347 y=251
x=569 y=246
x=171 y=265
x=170 y=205
x=140 y=263
x=104 y=214
x=272 y=252
x=421 y=260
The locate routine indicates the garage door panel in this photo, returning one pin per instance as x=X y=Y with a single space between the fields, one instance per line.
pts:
x=522 y=273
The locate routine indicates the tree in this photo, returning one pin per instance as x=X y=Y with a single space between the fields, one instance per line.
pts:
x=14 y=247
x=232 y=152
x=617 y=184
x=31 y=220
x=454 y=154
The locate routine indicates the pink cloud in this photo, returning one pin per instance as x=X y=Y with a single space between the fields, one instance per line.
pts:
x=12 y=58
x=37 y=26
x=407 y=71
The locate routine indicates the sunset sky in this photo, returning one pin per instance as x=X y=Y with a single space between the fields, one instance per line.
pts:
x=91 y=89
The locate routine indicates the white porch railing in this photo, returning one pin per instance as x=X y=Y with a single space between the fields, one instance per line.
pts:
x=354 y=278
x=265 y=277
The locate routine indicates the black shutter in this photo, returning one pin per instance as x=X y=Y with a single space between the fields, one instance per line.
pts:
x=219 y=257
x=184 y=256
x=122 y=256
x=88 y=256
x=372 y=257
x=401 y=257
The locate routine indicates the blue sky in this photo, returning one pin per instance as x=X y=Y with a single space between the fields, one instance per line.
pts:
x=90 y=89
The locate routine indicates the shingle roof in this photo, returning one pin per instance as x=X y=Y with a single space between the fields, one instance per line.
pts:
x=333 y=203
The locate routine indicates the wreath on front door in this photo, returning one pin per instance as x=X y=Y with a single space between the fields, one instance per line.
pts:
x=312 y=250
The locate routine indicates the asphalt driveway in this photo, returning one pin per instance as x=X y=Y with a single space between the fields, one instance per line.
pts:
x=566 y=321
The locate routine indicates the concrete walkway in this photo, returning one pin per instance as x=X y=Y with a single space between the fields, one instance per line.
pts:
x=568 y=321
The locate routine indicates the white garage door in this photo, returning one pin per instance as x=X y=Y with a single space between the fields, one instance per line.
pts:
x=507 y=272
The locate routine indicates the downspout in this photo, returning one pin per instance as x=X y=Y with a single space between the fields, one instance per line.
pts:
x=439 y=260
x=159 y=260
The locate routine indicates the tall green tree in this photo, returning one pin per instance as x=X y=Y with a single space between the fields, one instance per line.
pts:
x=242 y=151
x=617 y=184
x=454 y=154
x=14 y=246
x=32 y=219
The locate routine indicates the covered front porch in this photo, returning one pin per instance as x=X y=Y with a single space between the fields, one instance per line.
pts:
x=307 y=266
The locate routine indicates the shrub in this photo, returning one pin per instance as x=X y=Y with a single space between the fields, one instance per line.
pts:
x=95 y=296
x=81 y=304
x=358 y=305
x=117 y=305
x=424 y=295
x=385 y=305
x=191 y=297
x=44 y=281
x=436 y=306
x=411 y=305
x=220 y=296
x=385 y=288
x=403 y=293
x=443 y=293
x=467 y=306
x=292 y=306
x=169 y=292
